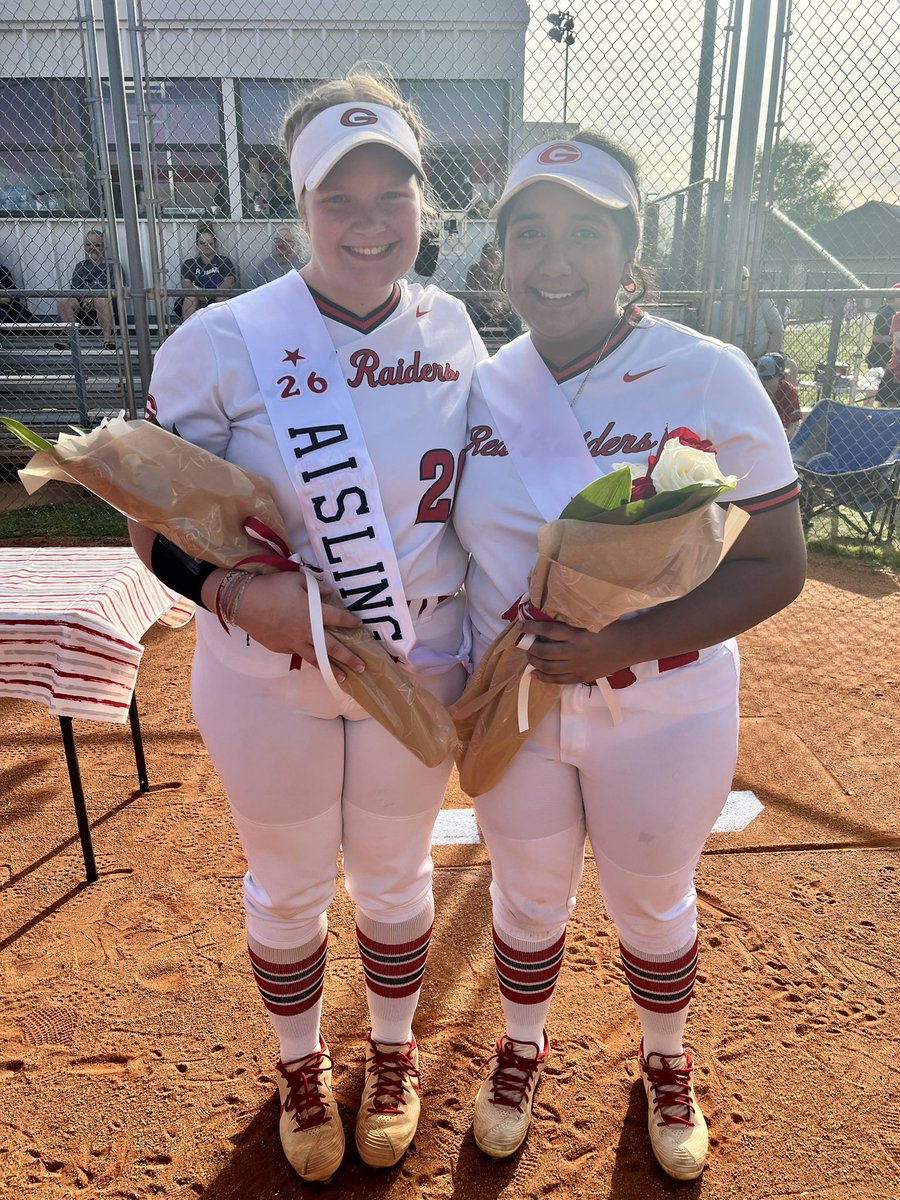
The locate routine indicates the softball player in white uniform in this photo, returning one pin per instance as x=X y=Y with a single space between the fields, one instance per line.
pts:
x=251 y=380
x=647 y=781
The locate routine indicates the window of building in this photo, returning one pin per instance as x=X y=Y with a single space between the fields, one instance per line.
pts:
x=45 y=148
x=187 y=146
x=468 y=124
x=265 y=176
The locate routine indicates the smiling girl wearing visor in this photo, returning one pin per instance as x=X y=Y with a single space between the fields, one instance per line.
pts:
x=645 y=774
x=346 y=389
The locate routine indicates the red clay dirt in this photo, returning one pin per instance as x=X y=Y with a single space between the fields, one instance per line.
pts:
x=136 y=1060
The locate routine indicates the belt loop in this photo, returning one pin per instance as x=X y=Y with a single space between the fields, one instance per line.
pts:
x=612 y=700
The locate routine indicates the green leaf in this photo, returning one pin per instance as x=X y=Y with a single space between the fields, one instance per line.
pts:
x=603 y=495
x=666 y=502
x=32 y=440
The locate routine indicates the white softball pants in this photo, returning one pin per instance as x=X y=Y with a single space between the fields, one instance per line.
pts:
x=647 y=791
x=301 y=786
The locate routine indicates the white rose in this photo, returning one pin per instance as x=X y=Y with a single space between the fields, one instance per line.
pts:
x=683 y=466
x=636 y=471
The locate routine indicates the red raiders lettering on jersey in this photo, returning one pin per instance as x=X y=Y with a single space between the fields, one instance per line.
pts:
x=483 y=443
x=559 y=152
x=359 y=116
x=150 y=409
x=368 y=368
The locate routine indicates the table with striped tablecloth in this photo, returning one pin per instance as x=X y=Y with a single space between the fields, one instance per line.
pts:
x=71 y=621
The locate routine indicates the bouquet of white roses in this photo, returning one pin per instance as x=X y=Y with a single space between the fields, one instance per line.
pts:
x=626 y=542
x=219 y=512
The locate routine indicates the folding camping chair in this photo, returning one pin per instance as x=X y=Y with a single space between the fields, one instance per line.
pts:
x=848 y=460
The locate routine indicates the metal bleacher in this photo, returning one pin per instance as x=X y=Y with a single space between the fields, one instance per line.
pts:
x=54 y=376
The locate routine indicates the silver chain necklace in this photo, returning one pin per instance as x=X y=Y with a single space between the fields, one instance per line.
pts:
x=583 y=383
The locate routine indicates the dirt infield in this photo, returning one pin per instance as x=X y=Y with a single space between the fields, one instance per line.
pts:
x=136 y=1060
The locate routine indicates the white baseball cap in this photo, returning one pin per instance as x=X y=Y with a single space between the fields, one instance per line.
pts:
x=583 y=168
x=331 y=134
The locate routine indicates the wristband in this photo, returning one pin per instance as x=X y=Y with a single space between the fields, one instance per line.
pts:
x=178 y=570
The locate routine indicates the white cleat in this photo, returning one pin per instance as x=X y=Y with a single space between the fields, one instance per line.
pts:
x=677 y=1128
x=312 y=1136
x=505 y=1100
x=389 y=1109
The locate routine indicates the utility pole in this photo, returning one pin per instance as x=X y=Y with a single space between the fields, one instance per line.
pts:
x=562 y=30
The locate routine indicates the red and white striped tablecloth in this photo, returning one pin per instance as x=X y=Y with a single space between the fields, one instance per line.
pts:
x=71 y=623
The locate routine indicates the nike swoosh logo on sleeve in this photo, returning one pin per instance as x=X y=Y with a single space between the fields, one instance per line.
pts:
x=629 y=378
x=420 y=313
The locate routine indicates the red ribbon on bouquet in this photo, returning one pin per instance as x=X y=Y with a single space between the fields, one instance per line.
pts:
x=280 y=559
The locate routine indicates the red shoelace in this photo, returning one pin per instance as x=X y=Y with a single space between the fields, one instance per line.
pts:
x=671 y=1086
x=303 y=1097
x=391 y=1068
x=512 y=1075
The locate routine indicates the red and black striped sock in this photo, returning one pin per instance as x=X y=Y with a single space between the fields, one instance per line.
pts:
x=393 y=959
x=527 y=973
x=290 y=983
x=661 y=987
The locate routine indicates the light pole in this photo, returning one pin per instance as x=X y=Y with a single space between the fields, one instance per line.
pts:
x=562 y=26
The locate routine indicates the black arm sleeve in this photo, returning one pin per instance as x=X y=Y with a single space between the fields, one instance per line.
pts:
x=179 y=571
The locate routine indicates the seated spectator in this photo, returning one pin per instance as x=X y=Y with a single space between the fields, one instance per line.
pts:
x=888 y=395
x=771 y=370
x=285 y=257
x=880 y=348
x=493 y=311
x=768 y=332
x=94 y=273
x=206 y=273
x=12 y=308
x=427 y=259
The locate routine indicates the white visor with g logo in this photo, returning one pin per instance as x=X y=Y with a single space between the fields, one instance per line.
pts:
x=586 y=169
x=331 y=134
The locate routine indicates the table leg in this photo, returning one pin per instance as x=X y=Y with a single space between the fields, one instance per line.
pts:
x=138 y=742
x=84 y=828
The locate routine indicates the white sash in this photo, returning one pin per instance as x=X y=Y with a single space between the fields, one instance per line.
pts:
x=325 y=453
x=535 y=421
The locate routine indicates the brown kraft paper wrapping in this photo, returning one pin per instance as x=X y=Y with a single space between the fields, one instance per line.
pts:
x=200 y=502
x=587 y=574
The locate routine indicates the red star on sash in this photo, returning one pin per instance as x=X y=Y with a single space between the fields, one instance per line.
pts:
x=292 y=356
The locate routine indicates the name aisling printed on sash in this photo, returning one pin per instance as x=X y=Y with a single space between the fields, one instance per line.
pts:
x=364 y=597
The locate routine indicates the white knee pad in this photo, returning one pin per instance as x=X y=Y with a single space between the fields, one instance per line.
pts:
x=535 y=882
x=291 y=880
x=656 y=914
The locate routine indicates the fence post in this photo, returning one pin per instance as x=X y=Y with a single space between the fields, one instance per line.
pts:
x=148 y=167
x=834 y=342
x=103 y=170
x=744 y=167
x=770 y=138
x=694 y=214
x=128 y=194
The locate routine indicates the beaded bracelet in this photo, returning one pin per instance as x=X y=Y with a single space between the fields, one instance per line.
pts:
x=228 y=597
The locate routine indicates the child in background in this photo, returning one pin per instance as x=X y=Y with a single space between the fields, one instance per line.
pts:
x=783 y=394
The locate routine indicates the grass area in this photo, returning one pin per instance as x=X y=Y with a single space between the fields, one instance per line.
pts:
x=808 y=344
x=75 y=524
x=880 y=556
x=83 y=523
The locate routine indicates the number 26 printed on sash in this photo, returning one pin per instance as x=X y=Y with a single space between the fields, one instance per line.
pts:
x=289 y=387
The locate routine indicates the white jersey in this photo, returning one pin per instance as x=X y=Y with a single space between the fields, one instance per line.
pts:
x=653 y=375
x=408 y=366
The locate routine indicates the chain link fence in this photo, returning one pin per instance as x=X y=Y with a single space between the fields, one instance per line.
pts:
x=140 y=156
